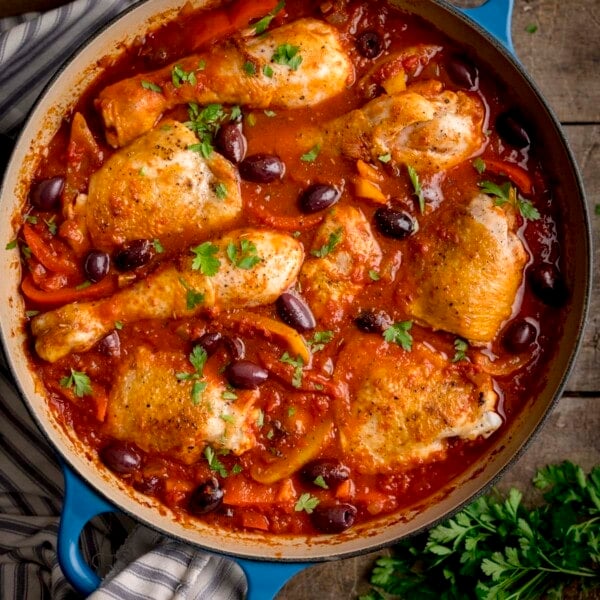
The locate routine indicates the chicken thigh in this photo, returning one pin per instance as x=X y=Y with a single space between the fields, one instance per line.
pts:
x=402 y=406
x=257 y=72
x=466 y=267
x=157 y=188
x=152 y=407
x=255 y=267
x=346 y=251
x=424 y=126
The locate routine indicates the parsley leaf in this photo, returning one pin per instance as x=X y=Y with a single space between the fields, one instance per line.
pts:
x=77 y=381
x=312 y=154
x=243 y=255
x=221 y=190
x=319 y=339
x=286 y=54
x=297 y=363
x=192 y=297
x=12 y=244
x=213 y=462
x=320 y=481
x=262 y=25
x=205 y=260
x=479 y=165
x=306 y=503
x=158 y=247
x=249 y=68
x=460 y=347
x=497 y=548
x=506 y=193
x=205 y=123
x=385 y=158
x=197 y=359
x=148 y=85
x=179 y=76
x=374 y=275
x=398 y=333
x=418 y=191
x=334 y=239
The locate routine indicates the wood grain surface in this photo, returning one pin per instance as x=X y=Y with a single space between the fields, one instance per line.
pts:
x=563 y=58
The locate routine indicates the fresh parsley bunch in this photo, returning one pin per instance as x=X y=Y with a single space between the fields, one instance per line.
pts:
x=496 y=549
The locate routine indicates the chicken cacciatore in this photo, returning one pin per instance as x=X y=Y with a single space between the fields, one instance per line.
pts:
x=289 y=267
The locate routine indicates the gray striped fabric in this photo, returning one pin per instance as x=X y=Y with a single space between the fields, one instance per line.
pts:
x=137 y=563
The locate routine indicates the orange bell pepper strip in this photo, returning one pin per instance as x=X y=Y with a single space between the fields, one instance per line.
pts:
x=52 y=254
x=54 y=298
x=254 y=520
x=516 y=174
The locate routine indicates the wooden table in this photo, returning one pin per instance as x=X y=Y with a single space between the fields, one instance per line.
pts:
x=563 y=57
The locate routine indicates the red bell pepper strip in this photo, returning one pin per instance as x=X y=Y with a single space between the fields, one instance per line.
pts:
x=55 y=298
x=52 y=253
x=516 y=174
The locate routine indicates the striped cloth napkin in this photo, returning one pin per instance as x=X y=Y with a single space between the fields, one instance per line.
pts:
x=137 y=563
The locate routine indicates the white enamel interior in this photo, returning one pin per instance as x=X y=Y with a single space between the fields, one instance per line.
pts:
x=40 y=128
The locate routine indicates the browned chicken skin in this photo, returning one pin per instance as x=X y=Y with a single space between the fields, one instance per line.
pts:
x=129 y=108
x=163 y=294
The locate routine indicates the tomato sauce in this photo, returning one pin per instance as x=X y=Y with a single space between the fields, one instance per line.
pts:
x=287 y=413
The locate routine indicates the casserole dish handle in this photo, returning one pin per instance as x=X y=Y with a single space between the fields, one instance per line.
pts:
x=495 y=16
x=81 y=504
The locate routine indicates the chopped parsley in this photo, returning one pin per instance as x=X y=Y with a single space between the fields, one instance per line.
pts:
x=148 y=85
x=244 y=255
x=158 y=247
x=270 y=113
x=205 y=123
x=374 y=275
x=291 y=411
x=118 y=325
x=192 y=297
x=306 y=503
x=78 y=382
x=507 y=194
x=213 y=462
x=260 y=418
x=479 y=165
x=201 y=65
x=31 y=313
x=179 y=76
x=82 y=286
x=319 y=339
x=32 y=219
x=460 y=347
x=297 y=363
x=236 y=469
x=262 y=25
x=198 y=359
x=12 y=244
x=229 y=395
x=228 y=418
x=286 y=54
x=312 y=154
x=385 y=158
x=249 y=68
x=334 y=239
x=531 y=28
x=221 y=190
x=235 y=113
x=418 y=190
x=319 y=481
x=205 y=260
x=51 y=225
x=398 y=333
x=268 y=71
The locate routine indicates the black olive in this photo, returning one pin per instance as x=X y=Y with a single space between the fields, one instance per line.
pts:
x=548 y=285
x=394 y=223
x=231 y=142
x=209 y=341
x=46 y=194
x=318 y=197
x=510 y=129
x=462 y=72
x=369 y=44
x=371 y=321
x=235 y=346
x=332 y=471
x=96 y=265
x=206 y=498
x=262 y=168
x=120 y=457
x=245 y=374
x=134 y=254
x=519 y=336
x=110 y=344
x=333 y=518
x=295 y=312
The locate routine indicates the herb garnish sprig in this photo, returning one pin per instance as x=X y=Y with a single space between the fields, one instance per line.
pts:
x=497 y=548
x=507 y=194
